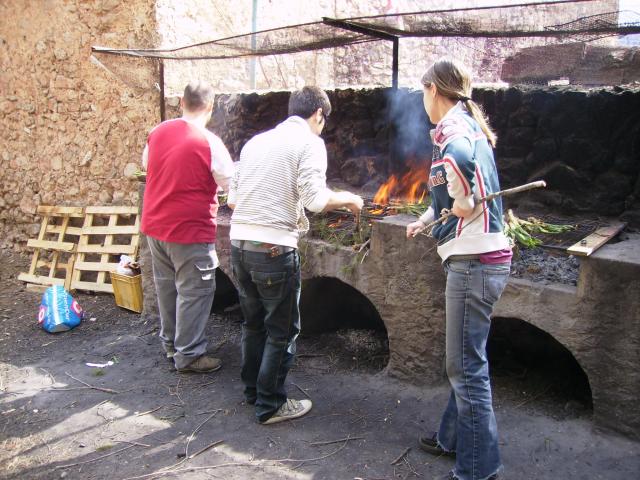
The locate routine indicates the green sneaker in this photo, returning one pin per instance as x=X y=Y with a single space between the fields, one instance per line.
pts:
x=289 y=410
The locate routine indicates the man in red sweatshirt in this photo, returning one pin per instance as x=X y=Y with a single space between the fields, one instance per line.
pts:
x=185 y=163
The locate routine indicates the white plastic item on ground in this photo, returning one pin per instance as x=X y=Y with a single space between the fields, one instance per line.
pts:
x=123 y=267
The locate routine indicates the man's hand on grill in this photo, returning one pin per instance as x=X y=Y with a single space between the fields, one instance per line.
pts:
x=354 y=203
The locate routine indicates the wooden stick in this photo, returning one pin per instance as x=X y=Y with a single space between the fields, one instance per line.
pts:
x=401 y=456
x=202 y=450
x=149 y=411
x=186 y=448
x=493 y=196
x=303 y=392
x=108 y=390
x=95 y=459
x=316 y=444
x=255 y=464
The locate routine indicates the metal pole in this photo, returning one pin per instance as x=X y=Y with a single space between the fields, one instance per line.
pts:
x=163 y=114
x=254 y=27
x=394 y=64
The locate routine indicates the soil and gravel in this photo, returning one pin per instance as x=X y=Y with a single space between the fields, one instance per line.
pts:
x=60 y=418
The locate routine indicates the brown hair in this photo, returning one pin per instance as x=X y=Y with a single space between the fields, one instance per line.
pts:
x=197 y=96
x=453 y=80
x=307 y=101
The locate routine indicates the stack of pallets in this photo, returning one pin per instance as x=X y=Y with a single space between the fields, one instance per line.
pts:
x=78 y=257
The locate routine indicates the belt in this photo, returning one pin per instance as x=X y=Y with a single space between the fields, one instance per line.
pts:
x=463 y=258
x=259 y=247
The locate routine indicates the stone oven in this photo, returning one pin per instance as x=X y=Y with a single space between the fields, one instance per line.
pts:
x=584 y=143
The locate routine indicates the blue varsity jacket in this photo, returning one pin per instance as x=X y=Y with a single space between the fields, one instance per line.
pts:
x=463 y=170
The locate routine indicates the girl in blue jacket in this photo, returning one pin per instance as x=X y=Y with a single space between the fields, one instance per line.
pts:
x=476 y=257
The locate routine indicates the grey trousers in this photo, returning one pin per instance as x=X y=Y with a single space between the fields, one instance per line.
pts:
x=184 y=275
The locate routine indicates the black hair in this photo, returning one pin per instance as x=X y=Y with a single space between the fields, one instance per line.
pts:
x=197 y=95
x=307 y=101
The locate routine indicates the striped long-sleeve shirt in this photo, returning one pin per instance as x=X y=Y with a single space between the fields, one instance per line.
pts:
x=281 y=172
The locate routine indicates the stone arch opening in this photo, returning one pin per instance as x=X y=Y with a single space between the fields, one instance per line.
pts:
x=226 y=294
x=530 y=367
x=337 y=318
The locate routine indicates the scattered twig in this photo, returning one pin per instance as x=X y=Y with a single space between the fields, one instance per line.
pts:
x=93 y=460
x=299 y=388
x=362 y=246
x=254 y=464
x=193 y=434
x=412 y=470
x=401 y=456
x=53 y=379
x=107 y=390
x=132 y=443
x=147 y=333
x=149 y=411
x=206 y=384
x=54 y=389
x=317 y=444
x=202 y=450
x=537 y=395
x=209 y=411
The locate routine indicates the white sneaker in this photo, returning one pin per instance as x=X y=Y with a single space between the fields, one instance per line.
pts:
x=289 y=410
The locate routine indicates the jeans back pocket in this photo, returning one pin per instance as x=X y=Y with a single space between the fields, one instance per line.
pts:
x=493 y=283
x=270 y=285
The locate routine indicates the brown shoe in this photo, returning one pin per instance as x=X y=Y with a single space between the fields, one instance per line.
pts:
x=202 y=364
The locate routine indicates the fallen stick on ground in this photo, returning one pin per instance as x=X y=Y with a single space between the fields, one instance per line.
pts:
x=94 y=459
x=299 y=388
x=186 y=449
x=316 y=444
x=401 y=456
x=107 y=390
x=149 y=411
x=132 y=443
x=255 y=464
x=202 y=450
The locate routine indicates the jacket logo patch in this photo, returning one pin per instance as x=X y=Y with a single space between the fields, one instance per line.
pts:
x=437 y=179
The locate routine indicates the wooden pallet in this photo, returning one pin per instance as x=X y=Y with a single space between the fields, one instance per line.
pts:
x=54 y=252
x=96 y=258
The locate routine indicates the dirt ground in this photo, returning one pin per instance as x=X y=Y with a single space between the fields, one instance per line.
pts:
x=364 y=425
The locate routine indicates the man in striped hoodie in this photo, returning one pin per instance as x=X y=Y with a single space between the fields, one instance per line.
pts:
x=281 y=172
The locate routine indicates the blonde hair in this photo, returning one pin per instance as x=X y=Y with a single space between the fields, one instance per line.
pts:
x=453 y=80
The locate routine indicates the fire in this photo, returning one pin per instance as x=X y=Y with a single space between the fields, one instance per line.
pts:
x=335 y=224
x=410 y=187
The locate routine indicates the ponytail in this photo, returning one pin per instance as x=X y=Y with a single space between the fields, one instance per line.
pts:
x=453 y=80
x=478 y=115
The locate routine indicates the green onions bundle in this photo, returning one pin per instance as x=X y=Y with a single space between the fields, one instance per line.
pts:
x=519 y=231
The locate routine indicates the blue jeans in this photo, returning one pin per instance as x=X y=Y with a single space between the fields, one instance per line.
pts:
x=269 y=292
x=468 y=425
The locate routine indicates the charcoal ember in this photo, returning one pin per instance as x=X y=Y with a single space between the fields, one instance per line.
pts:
x=540 y=265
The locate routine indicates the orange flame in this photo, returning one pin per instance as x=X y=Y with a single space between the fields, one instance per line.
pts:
x=335 y=224
x=411 y=187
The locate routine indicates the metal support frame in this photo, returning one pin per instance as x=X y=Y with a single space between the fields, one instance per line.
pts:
x=346 y=25
x=163 y=113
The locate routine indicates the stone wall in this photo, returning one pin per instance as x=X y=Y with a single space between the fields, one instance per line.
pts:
x=584 y=143
x=71 y=130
